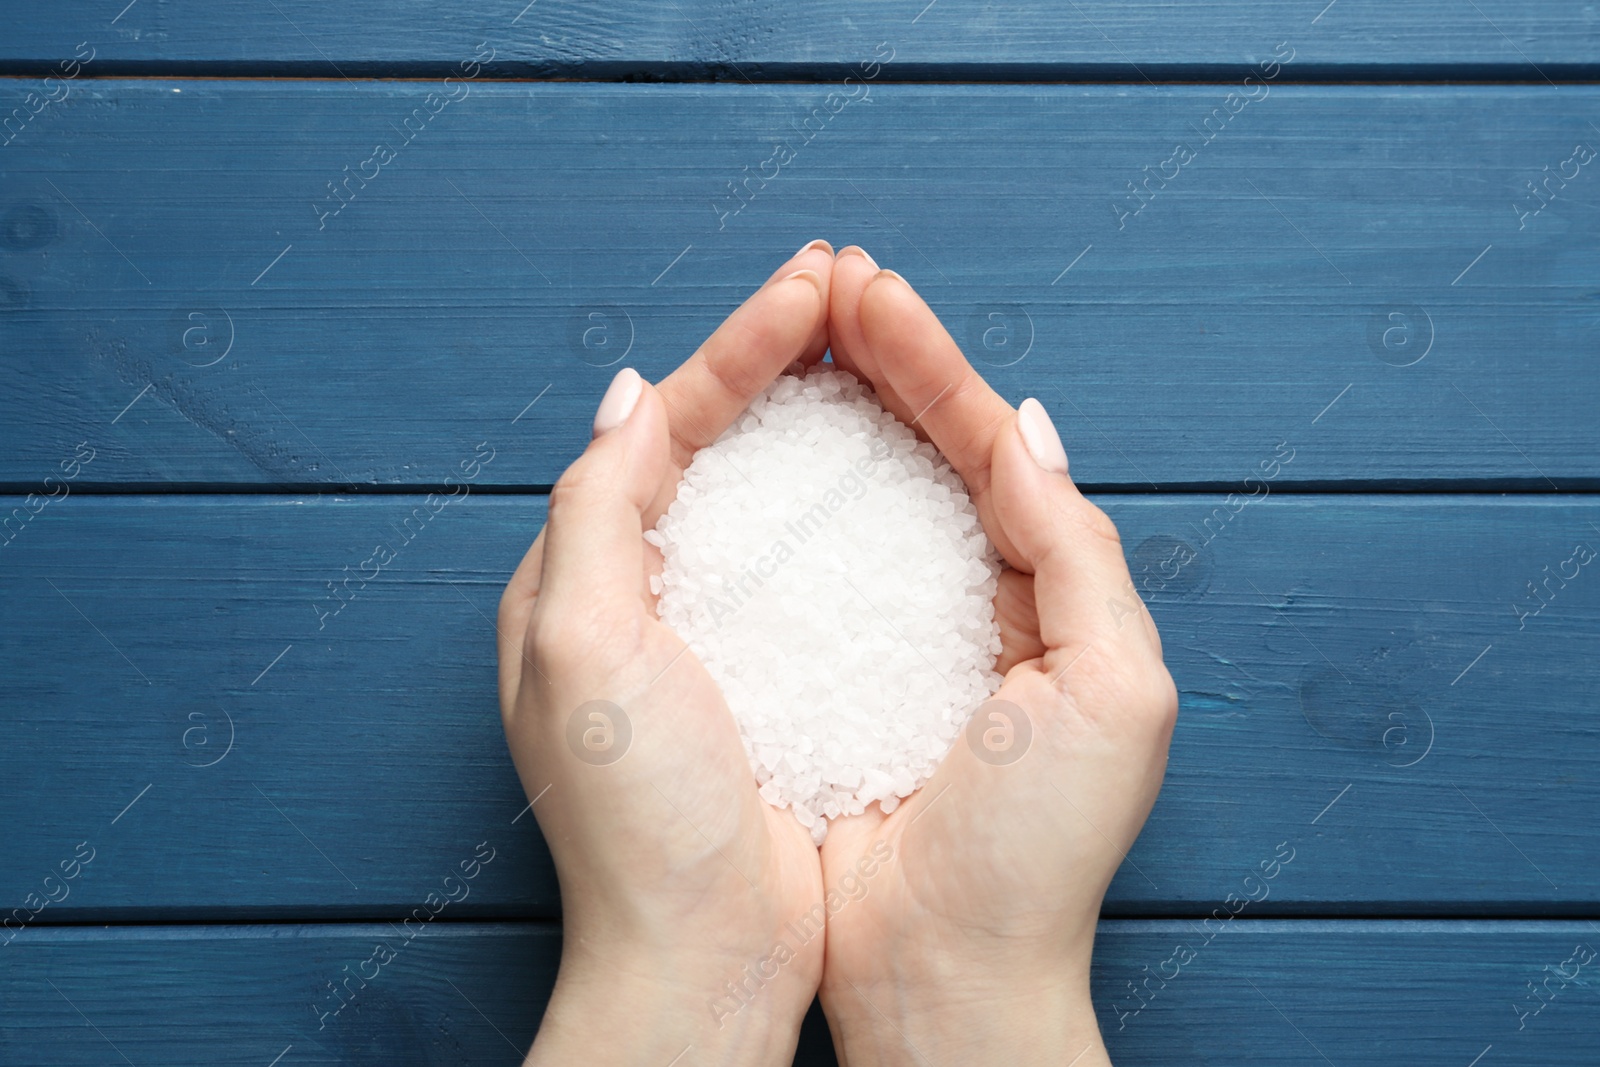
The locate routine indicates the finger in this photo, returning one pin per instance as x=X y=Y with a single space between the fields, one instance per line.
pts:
x=1081 y=586
x=805 y=259
x=511 y=621
x=594 y=548
x=853 y=269
x=1018 y=618
x=752 y=347
x=816 y=256
x=933 y=380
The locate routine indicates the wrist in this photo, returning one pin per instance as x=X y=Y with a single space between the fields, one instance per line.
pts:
x=955 y=1018
x=632 y=1006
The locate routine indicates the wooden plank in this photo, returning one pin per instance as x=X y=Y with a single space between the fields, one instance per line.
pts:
x=205 y=325
x=1356 y=684
x=1433 y=994
x=246 y=994
x=1035 y=41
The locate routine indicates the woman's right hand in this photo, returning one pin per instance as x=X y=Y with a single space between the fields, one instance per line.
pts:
x=677 y=879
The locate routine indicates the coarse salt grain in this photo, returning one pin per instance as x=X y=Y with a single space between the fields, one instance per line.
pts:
x=830 y=571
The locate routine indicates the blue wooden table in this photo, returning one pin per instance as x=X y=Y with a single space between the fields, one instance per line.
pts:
x=270 y=275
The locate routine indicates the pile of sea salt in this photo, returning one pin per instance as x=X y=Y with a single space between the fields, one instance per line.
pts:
x=830 y=572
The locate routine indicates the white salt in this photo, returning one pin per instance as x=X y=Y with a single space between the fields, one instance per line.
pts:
x=829 y=570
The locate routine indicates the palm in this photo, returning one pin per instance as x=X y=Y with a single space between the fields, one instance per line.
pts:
x=689 y=752
x=987 y=893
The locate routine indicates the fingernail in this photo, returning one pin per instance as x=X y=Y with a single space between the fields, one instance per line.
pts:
x=1039 y=434
x=818 y=243
x=621 y=398
x=808 y=275
x=857 y=250
x=888 y=274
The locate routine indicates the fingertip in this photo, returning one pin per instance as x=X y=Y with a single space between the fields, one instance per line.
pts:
x=815 y=304
x=857 y=250
x=783 y=321
x=1025 y=492
x=817 y=256
x=808 y=275
x=946 y=398
x=632 y=409
x=883 y=294
x=1039 y=436
x=1046 y=527
x=632 y=437
x=819 y=259
x=852 y=270
x=621 y=397
x=593 y=550
x=885 y=274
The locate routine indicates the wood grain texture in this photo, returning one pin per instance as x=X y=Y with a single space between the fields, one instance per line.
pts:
x=754 y=41
x=1360 y=994
x=1357 y=687
x=174 y=292
x=1387 y=701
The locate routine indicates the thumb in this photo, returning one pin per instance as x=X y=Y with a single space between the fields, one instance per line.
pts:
x=1081 y=585
x=594 y=549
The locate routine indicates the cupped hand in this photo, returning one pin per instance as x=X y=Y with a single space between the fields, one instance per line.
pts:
x=972 y=943
x=675 y=877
